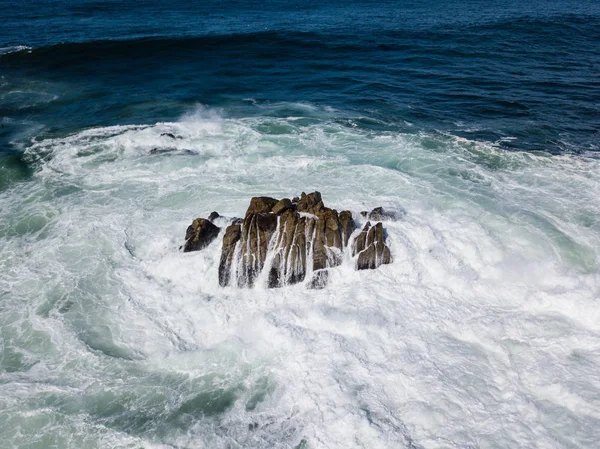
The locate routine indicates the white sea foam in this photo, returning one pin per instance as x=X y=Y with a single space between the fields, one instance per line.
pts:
x=13 y=49
x=483 y=332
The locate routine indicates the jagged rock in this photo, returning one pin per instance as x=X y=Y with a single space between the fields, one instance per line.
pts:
x=260 y=205
x=230 y=240
x=213 y=216
x=347 y=224
x=327 y=239
x=379 y=213
x=199 y=235
x=281 y=206
x=299 y=237
x=244 y=263
x=257 y=230
x=311 y=203
x=288 y=240
x=371 y=247
x=171 y=135
x=289 y=260
x=310 y=237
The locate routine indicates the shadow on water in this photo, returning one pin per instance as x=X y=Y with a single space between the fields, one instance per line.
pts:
x=156 y=405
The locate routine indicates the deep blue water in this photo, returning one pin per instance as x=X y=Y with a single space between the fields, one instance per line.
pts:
x=524 y=75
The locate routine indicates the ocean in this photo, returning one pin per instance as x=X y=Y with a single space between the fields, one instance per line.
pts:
x=477 y=122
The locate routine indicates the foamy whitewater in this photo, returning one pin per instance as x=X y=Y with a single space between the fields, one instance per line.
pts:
x=484 y=332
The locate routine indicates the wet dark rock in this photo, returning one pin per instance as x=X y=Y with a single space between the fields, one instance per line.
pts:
x=254 y=234
x=348 y=225
x=284 y=241
x=171 y=135
x=232 y=236
x=299 y=237
x=199 y=235
x=213 y=216
x=319 y=279
x=158 y=150
x=371 y=247
x=257 y=230
x=379 y=213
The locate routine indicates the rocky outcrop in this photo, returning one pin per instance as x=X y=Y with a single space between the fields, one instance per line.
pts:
x=199 y=235
x=230 y=240
x=371 y=248
x=347 y=225
x=287 y=240
x=283 y=242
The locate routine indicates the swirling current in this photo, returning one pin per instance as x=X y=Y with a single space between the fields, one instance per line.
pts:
x=478 y=123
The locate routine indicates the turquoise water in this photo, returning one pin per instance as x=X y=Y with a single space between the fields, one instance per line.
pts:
x=483 y=332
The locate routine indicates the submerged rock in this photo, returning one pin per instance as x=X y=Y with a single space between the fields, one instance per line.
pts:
x=319 y=279
x=379 y=214
x=199 y=235
x=165 y=150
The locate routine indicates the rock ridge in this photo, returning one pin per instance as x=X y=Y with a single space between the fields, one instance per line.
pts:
x=284 y=242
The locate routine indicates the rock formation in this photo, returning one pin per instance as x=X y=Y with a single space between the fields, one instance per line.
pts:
x=284 y=241
x=371 y=248
x=199 y=235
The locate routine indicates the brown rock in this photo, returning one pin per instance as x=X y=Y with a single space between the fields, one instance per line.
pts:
x=371 y=247
x=294 y=238
x=230 y=240
x=289 y=260
x=282 y=206
x=199 y=235
x=261 y=204
x=257 y=230
x=328 y=239
x=347 y=225
x=311 y=203
x=379 y=213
